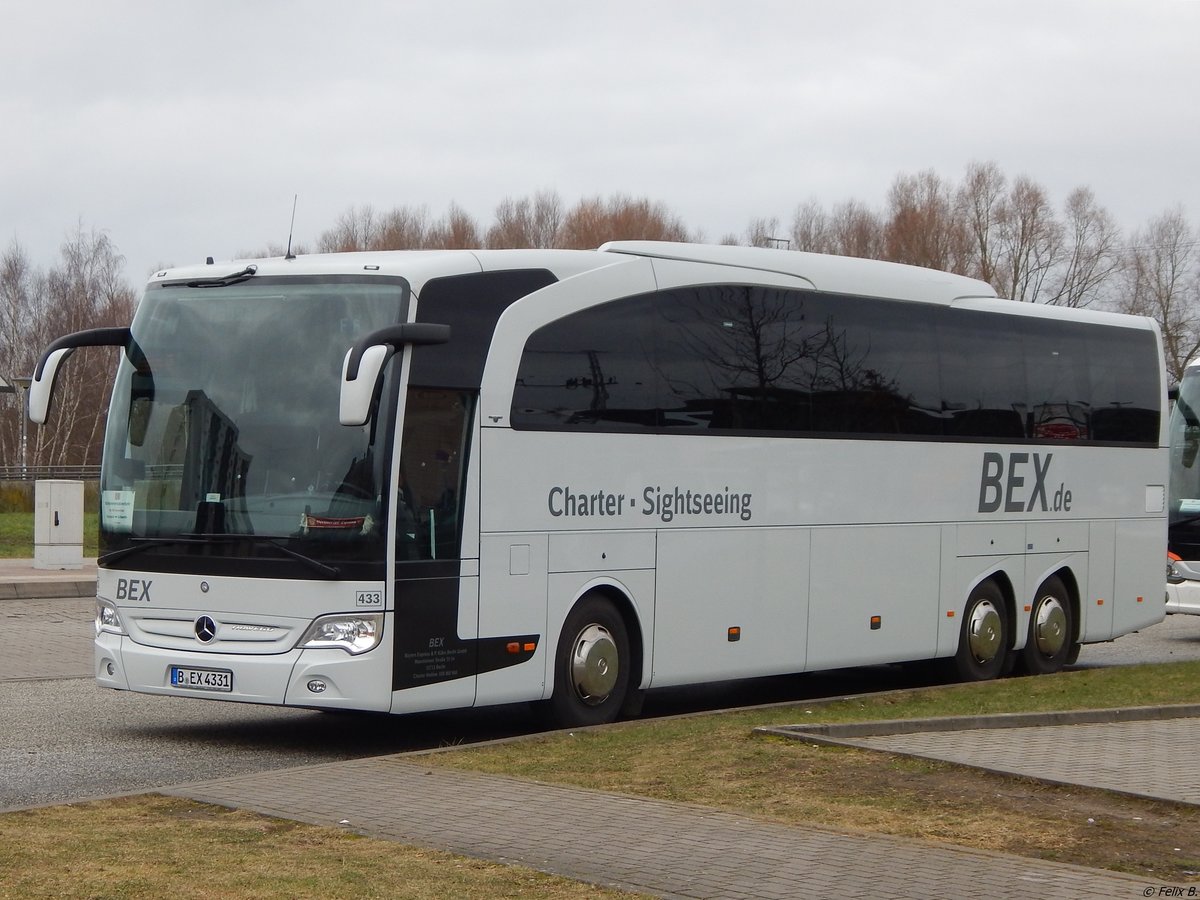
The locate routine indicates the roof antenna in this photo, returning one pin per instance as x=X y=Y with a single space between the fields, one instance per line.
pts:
x=291 y=228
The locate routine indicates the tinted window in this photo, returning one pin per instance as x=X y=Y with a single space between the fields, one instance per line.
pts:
x=983 y=375
x=470 y=305
x=752 y=359
x=595 y=369
x=1126 y=395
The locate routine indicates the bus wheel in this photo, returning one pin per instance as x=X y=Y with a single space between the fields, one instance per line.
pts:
x=983 y=638
x=1050 y=623
x=591 y=668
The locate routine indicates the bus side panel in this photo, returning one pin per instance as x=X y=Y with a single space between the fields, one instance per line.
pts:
x=512 y=601
x=1096 y=607
x=712 y=580
x=875 y=595
x=1137 y=599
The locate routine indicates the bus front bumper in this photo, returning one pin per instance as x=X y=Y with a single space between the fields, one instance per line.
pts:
x=309 y=678
x=1183 y=586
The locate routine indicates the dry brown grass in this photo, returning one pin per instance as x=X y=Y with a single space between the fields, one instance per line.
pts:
x=153 y=847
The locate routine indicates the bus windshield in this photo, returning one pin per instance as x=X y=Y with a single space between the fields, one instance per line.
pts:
x=1185 y=461
x=223 y=436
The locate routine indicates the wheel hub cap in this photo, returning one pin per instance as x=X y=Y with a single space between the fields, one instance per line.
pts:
x=594 y=665
x=1050 y=626
x=983 y=631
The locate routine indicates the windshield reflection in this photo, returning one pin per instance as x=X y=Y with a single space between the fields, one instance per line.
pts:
x=228 y=424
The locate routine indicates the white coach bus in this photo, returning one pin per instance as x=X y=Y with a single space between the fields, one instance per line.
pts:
x=1183 y=532
x=410 y=481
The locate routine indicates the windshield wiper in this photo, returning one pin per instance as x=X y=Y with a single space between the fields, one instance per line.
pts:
x=140 y=544
x=316 y=565
x=218 y=280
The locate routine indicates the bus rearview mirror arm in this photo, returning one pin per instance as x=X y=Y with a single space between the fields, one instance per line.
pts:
x=41 y=387
x=365 y=361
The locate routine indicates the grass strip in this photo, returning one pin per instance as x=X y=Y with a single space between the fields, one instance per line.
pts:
x=16 y=535
x=716 y=760
x=151 y=846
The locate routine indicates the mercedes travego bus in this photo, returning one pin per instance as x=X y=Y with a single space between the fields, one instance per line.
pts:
x=1183 y=531
x=406 y=481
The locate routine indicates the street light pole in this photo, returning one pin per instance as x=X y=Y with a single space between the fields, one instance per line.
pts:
x=22 y=382
x=19 y=385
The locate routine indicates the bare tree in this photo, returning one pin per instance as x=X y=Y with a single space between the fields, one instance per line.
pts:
x=856 y=231
x=1163 y=282
x=20 y=286
x=363 y=228
x=527 y=222
x=980 y=203
x=763 y=232
x=1030 y=242
x=593 y=221
x=355 y=229
x=402 y=228
x=922 y=228
x=455 y=231
x=85 y=289
x=811 y=228
x=1092 y=259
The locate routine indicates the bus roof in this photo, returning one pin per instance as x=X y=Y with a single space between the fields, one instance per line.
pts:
x=817 y=271
x=837 y=274
x=417 y=266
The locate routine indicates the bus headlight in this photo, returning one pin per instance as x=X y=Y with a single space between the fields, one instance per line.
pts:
x=1174 y=576
x=353 y=632
x=108 y=620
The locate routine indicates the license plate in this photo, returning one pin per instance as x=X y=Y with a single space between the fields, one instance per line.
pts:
x=202 y=679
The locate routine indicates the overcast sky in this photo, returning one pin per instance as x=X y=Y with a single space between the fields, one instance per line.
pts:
x=184 y=130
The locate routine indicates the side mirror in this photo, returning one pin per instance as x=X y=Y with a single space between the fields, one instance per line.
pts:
x=354 y=405
x=365 y=361
x=41 y=388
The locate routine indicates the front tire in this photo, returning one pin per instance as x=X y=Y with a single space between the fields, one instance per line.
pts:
x=1051 y=622
x=591 y=666
x=983 y=638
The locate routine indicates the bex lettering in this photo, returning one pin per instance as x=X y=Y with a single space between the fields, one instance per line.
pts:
x=1018 y=484
x=134 y=590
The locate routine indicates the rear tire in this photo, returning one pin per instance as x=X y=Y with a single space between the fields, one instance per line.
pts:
x=1050 y=641
x=591 y=666
x=983 y=638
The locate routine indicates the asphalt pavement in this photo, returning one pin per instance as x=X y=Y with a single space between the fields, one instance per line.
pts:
x=688 y=851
